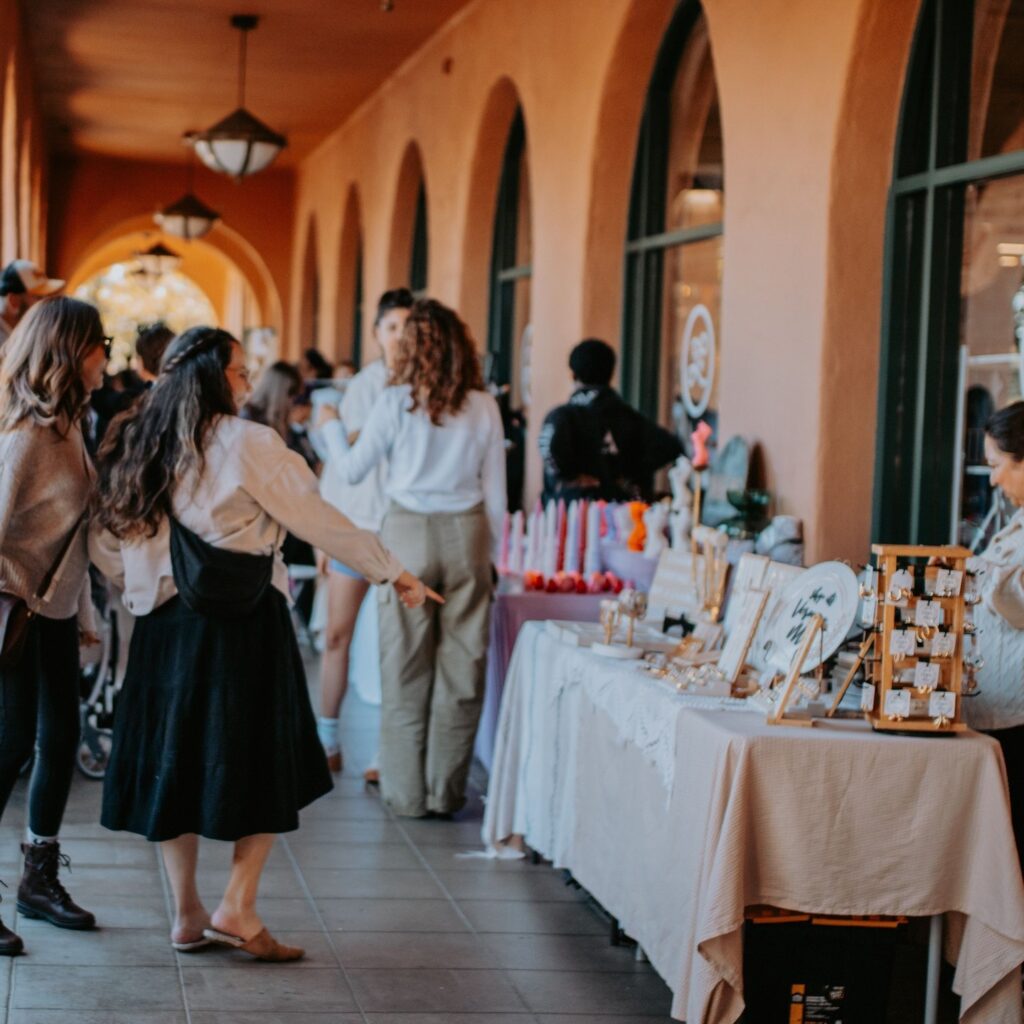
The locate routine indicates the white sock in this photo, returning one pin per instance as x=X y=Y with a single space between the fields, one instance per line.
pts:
x=327 y=730
x=32 y=838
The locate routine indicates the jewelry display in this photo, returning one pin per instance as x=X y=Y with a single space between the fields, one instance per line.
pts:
x=609 y=618
x=632 y=606
x=917 y=678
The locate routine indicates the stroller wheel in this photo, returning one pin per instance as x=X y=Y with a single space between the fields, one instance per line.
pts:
x=94 y=753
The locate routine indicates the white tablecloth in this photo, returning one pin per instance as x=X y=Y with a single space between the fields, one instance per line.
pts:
x=677 y=817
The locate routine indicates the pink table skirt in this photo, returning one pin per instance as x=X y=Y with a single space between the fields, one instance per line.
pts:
x=507 y=617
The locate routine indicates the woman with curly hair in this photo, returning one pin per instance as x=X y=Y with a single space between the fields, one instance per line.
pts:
x=214 y=733
x=442 y=435
x=52 y=361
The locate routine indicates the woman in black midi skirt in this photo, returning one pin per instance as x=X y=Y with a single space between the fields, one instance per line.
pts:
x=214 y=734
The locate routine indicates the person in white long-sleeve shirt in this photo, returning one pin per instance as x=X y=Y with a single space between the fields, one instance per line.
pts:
x=214 y=734
x=442 y=436
x=364 y=503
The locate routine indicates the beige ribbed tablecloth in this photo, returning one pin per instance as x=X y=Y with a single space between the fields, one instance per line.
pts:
x=677 y=817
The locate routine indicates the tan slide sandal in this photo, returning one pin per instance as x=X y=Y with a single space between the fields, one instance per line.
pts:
x=262 y=946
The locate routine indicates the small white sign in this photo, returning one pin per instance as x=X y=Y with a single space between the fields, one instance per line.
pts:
x=903 y=643
x=868 y=610
x=928 y=613
x=926 y=675
x=897 y=703
x=948 y=582
x=867 y=697
x=942 y=703
x=944 y=645
x=902 y=580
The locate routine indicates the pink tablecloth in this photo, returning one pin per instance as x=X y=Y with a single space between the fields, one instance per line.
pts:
x=507 y=617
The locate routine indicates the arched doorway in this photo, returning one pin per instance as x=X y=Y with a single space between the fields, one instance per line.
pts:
x=673 y=269
x=349 y=333
x=409 y=255
x=129 y=298
x=953 y=317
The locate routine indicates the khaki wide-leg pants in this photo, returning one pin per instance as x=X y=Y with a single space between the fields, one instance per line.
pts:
x=433 y=659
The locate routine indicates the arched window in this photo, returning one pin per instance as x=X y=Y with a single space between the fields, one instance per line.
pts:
x=419 y=256
x=349 y=334
x=511 y=255
x=671 y=325
x=953 y=321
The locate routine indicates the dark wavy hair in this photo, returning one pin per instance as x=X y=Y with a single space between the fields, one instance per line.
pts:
x=162 y=438
x=437 y=358
x=41 y=364
x=1006 y=428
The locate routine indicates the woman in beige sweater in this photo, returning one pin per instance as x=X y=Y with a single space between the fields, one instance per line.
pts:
x=48 y=367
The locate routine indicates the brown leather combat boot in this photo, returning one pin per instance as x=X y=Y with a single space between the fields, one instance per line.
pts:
x=41 y=894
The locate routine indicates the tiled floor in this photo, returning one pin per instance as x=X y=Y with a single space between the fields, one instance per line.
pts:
x=398 y=930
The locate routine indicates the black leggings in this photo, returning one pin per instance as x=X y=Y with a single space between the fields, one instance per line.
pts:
x=39 y=707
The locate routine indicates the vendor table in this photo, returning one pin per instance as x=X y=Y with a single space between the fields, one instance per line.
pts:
x=677 y=812
x=509 y=614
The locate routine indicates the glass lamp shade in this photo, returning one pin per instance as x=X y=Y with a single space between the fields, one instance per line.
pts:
x=187 y=218
x=158 y=260
x=238 y=146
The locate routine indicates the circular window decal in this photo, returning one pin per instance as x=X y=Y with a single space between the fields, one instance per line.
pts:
x=697 y=361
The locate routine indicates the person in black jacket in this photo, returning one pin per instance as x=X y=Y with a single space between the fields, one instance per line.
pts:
x=597 y=446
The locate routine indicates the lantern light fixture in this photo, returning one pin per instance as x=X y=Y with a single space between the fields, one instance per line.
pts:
x=158 y=260
x=240 y=144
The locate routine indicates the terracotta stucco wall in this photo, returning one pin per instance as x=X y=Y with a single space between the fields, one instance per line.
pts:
x=809 y=99
x=95 y=199
x=23 y=208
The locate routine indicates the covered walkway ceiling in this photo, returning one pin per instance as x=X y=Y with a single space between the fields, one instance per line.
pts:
x=128 y=77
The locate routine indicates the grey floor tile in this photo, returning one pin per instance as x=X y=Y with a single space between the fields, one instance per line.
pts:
x=316 y=944
x=112 y=947
x=371 y=883
x=108 y=853
x=295 y=915
x=97 y=1017
x=388 y=857
x=346 y=808
x=89 y=884
x=436 y=990
x=457 y=835
x=500 y=885
x=555 y=918
x=577 y=992
x=95 y=988
x=275 y=883
x=335 y=830
x=450 y=858
x=600 y=1018
x=455 y=1018
x=266 y=988
x=114 y=911
x=532 y=952
x=274 y=1017
x=390 y=915
x=424 y=949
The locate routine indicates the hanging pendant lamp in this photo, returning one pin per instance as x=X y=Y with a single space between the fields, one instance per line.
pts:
x=158 y=260
x=240 y=144
x=188 y=217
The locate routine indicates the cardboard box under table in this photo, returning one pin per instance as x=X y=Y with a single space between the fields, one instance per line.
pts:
x=680 y=812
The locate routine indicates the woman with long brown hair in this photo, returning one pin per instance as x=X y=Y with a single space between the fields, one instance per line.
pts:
x=214 y=733
x=49 y=366
x=442 y=435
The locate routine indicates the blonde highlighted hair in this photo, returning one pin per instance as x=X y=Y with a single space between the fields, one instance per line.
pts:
x=41 y=364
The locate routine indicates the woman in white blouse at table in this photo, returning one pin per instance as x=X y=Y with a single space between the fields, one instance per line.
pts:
x=998 y=708
x=442 y=435
x=214 y=733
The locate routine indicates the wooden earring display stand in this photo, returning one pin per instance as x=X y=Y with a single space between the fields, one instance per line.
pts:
x=892 y=669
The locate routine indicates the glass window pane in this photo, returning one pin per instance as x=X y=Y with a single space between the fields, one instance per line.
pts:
x=997 y=78
x=915 y=125
x=992 y=319
x=691 y=336
x=695 y=168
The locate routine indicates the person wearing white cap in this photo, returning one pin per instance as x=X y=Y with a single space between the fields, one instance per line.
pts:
x=22 y=285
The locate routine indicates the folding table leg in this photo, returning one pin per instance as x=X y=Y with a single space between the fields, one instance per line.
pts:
x=931 y=989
